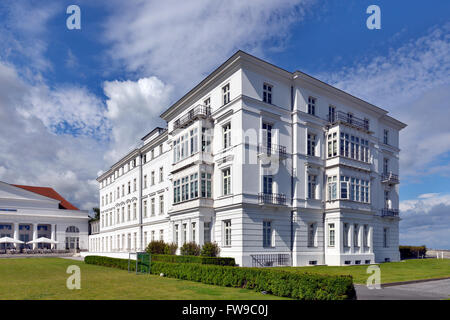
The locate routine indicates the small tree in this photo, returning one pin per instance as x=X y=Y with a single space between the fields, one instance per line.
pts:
x=170 y=248
x=210 y=249
x=190 y=249
x=156 y=247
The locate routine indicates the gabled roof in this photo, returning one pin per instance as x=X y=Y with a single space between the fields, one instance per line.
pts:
x=49 y=193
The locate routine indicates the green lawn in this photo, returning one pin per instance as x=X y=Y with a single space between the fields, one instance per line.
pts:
x=45 y=278
x=390 y=272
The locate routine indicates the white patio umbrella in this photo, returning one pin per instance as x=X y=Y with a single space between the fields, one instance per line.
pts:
x=43 y=240
x=9 y=240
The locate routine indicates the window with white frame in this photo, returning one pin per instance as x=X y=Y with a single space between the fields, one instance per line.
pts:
x=226 y=132
x=206 y=232
x=331 y=113
x=267 y=184
x=206 y=140
x=267 y=234
x=267 y=93
x=184 y=233
x=312 y=186
x=144 y=158
x=134 y=185
x=129 y=187
x=206 y=185
x=123 y=214
x=161 y=204
x=387 y=201
x=332 y=145
x=385 y=237
x=145 y=208
x=227 y=233
x=312 y=105
x=134 y=211
x=193 y=140
x=207 y=102
x=311 y=234
x=161 y=174
x=385 y=165
x=311 y=145
x=160 y=149
x=152 y=178
x=344 y=187
x=226 y=181
x=176 y=236
x=145 y=181
x=145 y=238
x=267 y=136
x=331 y=235
x=193 y=186
x=194 y=231
x=153 y=235
x=386 y=136
x=161 y=235
x=332 y=188
x=152 y=207
x=226 y=94
x=129 y=213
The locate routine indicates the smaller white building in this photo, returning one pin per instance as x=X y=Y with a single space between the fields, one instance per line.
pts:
x=28 y=213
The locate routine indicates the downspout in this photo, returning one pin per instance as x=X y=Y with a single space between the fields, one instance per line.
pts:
x=292 y=176
x=140 y=203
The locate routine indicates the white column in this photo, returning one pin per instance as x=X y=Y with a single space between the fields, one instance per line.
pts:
x=339 y=236
x=370 y=239
x=361 y=238
x=35 y=235
x=16 y=233
x=53 y=236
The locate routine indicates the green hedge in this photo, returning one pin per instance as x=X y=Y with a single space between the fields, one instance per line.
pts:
x=409 y=252
x=302 y=286
x=194 y=259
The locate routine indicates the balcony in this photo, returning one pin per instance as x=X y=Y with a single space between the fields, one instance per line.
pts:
x=389 y=212
x=198 y=112
x=389 y=178
x=272 y=198
x=346 y=118
x=272 y=150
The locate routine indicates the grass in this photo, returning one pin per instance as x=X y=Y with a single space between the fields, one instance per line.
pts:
x=406 y=270
x=45 y=278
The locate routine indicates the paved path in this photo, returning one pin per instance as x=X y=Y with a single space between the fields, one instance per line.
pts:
x=430 y=290
x=73 y=258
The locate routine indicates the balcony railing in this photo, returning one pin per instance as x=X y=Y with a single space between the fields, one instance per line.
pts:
x=389 y=177
x=347 y=118
x=271 y=198
x=272 y=149
x=271 y=260
x=197 y=112
x=389 y=212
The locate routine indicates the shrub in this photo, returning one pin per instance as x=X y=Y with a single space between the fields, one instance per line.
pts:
x=156 y=247
x=210 y=249
x=190 y=249
x=194 y=259
x=411 y=252
x=171 y=248
x=302 y=286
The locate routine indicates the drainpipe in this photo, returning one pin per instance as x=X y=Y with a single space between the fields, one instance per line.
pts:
x=292 y=176
x=140 y=202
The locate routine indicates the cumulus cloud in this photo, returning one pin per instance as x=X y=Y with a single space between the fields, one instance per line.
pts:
x=180 y=41
x=426 y=220
x=133 y=110
x=409 y=82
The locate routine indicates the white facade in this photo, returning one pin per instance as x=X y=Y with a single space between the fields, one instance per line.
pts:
x=26 y=216
x=276 y=167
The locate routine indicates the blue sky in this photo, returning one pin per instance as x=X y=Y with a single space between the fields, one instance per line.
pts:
x=76 y=100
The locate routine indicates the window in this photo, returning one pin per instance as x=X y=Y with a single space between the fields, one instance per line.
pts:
x=366 y=235
x=386 y=136
x=161 y=174
x=134 y=211
x=332 y=188
x=385 y=237
x=267 y=136
x=387 y=202
x=311 y=145
x=123 y=214
x=267 y=184
x=145 y=208
x=134 y=163
x=123 y=190
x=226 y=94
x=134 y=185
x=332 y=145
x=349 y=117
x=226 y=181
x=227 y=233
x=385 y=165
x=176 y=234
x=331 y=234
x=184 y=233
x=152 y=153
x=145 y=181
x=226 y=129
x=344 y=189
x=311 y=235
x=152 y=178
x=161 y=235
x=331 y=113
x=205 y=185
x=129 y=187
x=144 y=158
x=152 y=207
x=206 y=140
x=103 y=200
x=161 y=204
x=312 y=105
x=346 y=231
x=267 y=234
x=207 y=102
x=194 y=140
x=193 y=234
x=312 y=186
x=128 y=213
x=160 y=149
x=206 y=232
x=184 y=188
x=356 y=235
x=118 y=192
x=267 y=93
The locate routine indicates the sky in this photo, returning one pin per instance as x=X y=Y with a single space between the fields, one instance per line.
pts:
x=73 y=101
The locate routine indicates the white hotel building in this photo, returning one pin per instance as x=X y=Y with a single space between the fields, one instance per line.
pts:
x=276 y=167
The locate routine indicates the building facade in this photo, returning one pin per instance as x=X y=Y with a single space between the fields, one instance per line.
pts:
x=28 y=213
x=277 y=167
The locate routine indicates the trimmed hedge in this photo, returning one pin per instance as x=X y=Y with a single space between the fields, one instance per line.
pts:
x=302 y=286
x=411 y=252
x=221 y=261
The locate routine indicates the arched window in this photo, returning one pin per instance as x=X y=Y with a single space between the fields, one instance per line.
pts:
x=72 y=229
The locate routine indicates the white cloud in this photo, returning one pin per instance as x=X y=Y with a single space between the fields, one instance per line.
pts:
x=133 y=110
x=180 y=41
x=410 y=82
